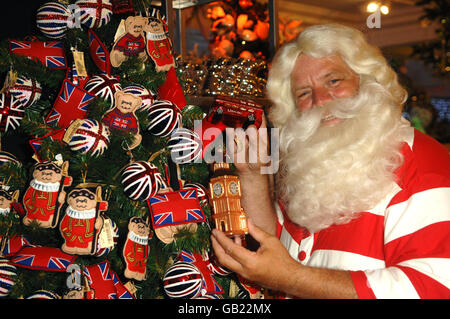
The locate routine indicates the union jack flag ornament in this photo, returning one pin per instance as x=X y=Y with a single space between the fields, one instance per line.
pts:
x=42 y=258
x=105 y=282
x=50 y=53
x=175 y=208
x=71 y=104
x=99 y=53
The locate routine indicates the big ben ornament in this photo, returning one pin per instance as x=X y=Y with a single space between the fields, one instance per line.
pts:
x=225 y=189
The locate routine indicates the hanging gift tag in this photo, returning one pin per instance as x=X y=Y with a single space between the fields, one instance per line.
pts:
x=131 y=288
x=71 y=130
x=78 y=58
x=10 y=81
x=120 y=30
x=105 y=239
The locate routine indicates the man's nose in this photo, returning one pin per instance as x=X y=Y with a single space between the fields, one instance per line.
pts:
x=321 y=96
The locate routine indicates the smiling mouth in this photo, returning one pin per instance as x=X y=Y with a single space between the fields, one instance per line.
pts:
x=328 y=118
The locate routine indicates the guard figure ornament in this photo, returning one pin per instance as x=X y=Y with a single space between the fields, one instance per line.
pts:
x=82 y=223
x=136 y=249
x=45 y=195
x=158 y=44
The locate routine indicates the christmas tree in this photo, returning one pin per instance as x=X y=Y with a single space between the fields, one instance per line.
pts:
x=97 y=93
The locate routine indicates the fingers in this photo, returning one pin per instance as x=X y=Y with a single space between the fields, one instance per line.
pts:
x=238 y=240
x=224 y=257
x=263 y=122
x=257 y=233
x=232 y=248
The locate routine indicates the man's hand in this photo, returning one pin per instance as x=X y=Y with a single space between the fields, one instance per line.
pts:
x=270 y=266
x=245 y=150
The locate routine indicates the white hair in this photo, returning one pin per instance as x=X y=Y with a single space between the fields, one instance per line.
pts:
x=328 y=174
x=320 y=41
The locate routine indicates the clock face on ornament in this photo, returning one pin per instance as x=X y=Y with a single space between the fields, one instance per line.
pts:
x=234 y=189
x=218 y=189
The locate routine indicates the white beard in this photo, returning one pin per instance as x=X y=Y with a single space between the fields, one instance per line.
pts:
x=329 y=174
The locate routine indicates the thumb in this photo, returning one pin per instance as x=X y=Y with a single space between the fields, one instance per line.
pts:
x=257 y=233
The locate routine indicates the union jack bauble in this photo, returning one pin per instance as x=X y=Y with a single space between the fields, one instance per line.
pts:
x=27 y=90
x=88 y=136
x=94 y=13
x=202 y=192
x=7 y=276
x=43 y=294
x=183 y=280
x=146 y=95
x=185 y=146
x=141 y=180
x=164 y=117
x=51 y=19
x=103 y=86
x=7 y=158
x=11 y=112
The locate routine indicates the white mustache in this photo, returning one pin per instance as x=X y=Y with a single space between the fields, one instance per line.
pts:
x=308 y=122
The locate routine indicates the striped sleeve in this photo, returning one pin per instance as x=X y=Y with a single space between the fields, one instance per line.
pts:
x=416 y=237
x=417 y=250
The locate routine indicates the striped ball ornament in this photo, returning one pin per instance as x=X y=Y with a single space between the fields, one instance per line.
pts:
x=185 y=146
x=28 y=91
x=202 y=192
x=217 y=269
x=43 y=294
x=146 y=95
x=89 y=137
x=209 y=297
x=141 y=180
x=52 y=18
x=95 y=13
x=103 y=86
x=164 y=118
x=8 y=158
x=183 y=280
x=7 y=277
x=11 y=112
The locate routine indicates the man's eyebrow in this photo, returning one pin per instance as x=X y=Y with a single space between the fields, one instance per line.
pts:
x=331 y=73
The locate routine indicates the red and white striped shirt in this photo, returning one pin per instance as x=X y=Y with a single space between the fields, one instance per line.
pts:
x=399 y=249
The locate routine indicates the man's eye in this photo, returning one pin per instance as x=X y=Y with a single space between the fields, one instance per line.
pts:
x=302 y=95
x=335 y=82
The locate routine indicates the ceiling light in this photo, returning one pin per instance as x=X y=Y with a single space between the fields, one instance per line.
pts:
x=372 y=7
x=384 y=9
